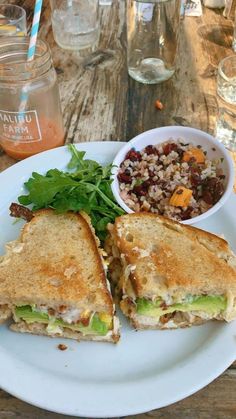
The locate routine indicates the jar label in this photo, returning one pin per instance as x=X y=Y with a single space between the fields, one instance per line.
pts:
x=20 y=126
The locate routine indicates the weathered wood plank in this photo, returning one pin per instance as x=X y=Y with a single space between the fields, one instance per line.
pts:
x=93 y=88
x=214 y=401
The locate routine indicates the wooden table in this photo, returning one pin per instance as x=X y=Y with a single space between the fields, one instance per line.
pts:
x=100 y=102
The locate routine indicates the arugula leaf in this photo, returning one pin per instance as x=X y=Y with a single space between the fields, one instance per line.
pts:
x=77 y=157
x=42 y=189
x=86 y=187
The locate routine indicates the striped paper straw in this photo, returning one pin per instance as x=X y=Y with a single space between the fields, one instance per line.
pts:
x=34 y=30
x=31 y=49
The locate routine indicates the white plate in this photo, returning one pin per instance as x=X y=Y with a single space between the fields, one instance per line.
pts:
x=146 y=370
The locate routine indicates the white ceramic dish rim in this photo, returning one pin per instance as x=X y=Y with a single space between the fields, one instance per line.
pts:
x=172 y=129
x=109 y=398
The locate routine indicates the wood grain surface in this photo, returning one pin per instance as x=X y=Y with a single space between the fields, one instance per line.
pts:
x=100 y=102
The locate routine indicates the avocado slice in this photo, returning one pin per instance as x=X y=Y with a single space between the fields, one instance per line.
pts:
x=210 y=304
x=29 y=315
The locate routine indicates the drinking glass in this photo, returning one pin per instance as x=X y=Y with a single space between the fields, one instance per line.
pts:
x=38 y=125
x=12 y=20
x=226 y=89
x=153 y=32
x=75 y=23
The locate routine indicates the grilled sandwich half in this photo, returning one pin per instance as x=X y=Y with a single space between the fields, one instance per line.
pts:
x=53 y=280
x=167 y=275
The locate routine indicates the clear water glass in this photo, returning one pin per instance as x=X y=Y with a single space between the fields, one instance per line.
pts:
x=12 y=20
x=226 y=89
x=75 y=23
x=153 y=33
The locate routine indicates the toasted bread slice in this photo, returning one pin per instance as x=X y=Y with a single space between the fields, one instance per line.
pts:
x=155 y=257
x=56 y=265
x=169 y=257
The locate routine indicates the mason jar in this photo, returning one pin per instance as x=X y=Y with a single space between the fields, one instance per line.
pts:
x=30 y=110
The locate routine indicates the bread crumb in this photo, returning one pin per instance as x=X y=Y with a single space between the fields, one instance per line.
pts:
x=62 y=347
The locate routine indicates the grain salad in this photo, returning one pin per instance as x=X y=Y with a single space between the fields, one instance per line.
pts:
x=174 y=179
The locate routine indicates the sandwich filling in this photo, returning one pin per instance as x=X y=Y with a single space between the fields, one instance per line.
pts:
x=194 y=309
x=88 y=323
x=211 y=304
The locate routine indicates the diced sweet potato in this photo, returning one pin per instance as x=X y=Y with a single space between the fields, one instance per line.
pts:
x=194 y=153
x=181 y=197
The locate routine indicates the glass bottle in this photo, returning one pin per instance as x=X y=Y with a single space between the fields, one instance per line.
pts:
x=30 y=110
x=153 y=33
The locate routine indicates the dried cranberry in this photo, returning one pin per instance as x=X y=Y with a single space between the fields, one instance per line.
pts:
x=195 y=179
x=186 y=214
x=195 y=193
x=195 y=169
x=133 y=155
x=139 y=190
x=207 y=197
x=211 y=182
x=151 y=173
x=123 y=178
x=180 y=152
x=219 y=190
x=162 y=183
x=151 y=150
x=212 y=187
x=148 y=183
x=169 y=147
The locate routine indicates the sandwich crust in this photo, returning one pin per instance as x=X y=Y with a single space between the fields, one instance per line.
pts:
x=164 y=257
x=55 y=261
x=5 y=313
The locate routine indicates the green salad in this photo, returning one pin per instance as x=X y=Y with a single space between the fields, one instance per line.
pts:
x=86 y=186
